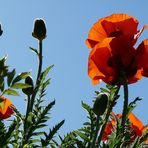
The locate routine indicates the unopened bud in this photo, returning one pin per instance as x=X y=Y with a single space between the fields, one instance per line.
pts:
x=29 y=90
x=100 y=104
x=39 y=30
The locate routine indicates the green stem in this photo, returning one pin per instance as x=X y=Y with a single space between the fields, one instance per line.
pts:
x=109 y=109
x=104 y=125
x=25 y=121
x=125 y=104
x=38 y=76
x=28 y=106
x=96 y=133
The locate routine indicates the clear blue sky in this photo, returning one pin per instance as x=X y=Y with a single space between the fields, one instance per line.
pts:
x=68 y=23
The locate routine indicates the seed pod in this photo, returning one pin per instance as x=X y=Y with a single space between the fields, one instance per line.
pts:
x=100 y=104
x=29 y=90
x=39 y=30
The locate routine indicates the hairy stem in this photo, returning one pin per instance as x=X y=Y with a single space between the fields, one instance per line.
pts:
x=109 y=109
x=96 y=133
x=38 y=76
x=125 y=104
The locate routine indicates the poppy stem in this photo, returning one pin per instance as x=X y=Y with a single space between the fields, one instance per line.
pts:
x=109 y=109
x=96 y=133
x=27 y=111
x=38 y=76
x=125 y=104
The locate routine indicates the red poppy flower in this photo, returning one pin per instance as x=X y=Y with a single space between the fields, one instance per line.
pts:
x=113 y=54
x=114 y=26
x=7 y=110
x=137 y=127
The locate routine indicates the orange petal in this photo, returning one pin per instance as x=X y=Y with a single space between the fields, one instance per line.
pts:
x=136 y=122
x=112 y=26
x=7 y=110
x=98 y=68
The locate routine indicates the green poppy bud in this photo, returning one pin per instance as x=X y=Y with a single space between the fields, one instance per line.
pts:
x=39 y=30
x=100 y=104
x=29 y=90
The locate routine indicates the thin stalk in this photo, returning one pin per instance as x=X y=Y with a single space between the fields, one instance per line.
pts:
x=104 y=125
x=96 y=133
x=125 y=104
x=109 y=109
x=28 y=106
x=25 y=122
x=38 y=76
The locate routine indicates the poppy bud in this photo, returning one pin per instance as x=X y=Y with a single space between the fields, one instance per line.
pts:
x=29 y=90
x=39 y=30
x=100 y=104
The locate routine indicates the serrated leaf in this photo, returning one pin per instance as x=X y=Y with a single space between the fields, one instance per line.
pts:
x=45 y=72
x=10 y=76
x=1 y=104
x=82 y=135
x=11 y=92
x=34 y=50
x=21 y=76
x=86 y=106
x=2 y=83
x=20 y=85
x=40 y=126
x=38 y=133
x=51 y=133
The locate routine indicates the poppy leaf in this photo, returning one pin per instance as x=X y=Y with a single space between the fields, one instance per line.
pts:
x=45 y=72
x=21 y=76
x=82 y=135
x=11 y=92
x=34 y=50
x=1 y=104
x=20 y=85
x=10 y=76
x=2 y=84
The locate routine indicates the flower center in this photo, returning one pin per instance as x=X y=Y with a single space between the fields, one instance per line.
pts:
x=115 y=33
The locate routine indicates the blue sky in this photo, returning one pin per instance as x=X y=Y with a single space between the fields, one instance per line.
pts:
x=68 y=23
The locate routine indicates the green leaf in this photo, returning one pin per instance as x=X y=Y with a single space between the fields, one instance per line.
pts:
x=10 y=76
x=1 y=104
x=20 y=85
x=133 y=104
x=2 y=83
x=34 y=50
x=45 y=72
x=51 y=134
x=21 y=76
x=11 y=92
x=82 y=135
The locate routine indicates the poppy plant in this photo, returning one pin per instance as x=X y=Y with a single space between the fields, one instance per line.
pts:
x=113 y=54
x=137 y=129
x=6 y=111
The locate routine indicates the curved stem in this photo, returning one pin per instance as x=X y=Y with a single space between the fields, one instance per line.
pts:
x=110 y=107
x=28 y=106
x=96 y=133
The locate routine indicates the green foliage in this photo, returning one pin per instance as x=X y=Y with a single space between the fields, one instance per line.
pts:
x=48 y=137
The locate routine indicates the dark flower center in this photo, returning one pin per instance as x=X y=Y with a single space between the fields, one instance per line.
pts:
x=115 y=33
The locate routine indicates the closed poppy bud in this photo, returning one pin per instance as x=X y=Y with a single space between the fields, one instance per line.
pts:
x=39 y=30
x=29 y=90
x=100 y=104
